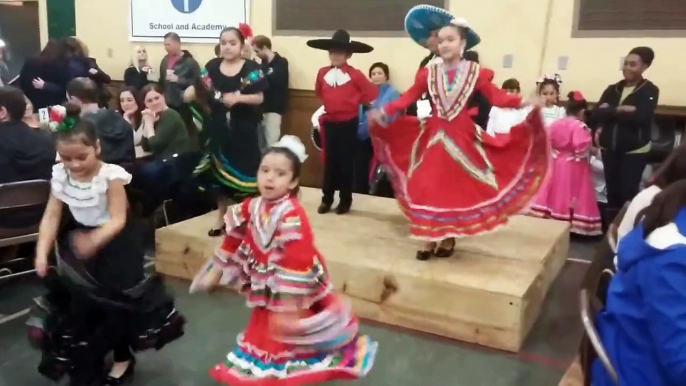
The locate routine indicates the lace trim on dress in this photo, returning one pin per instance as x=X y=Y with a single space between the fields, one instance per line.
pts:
x=85 y=194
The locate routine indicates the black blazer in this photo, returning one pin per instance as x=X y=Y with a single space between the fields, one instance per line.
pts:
x=56 y=76
x=621 y=131
x=136 y=79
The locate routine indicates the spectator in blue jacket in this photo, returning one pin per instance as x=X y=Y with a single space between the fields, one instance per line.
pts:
x=643 y=327
x=379 y=74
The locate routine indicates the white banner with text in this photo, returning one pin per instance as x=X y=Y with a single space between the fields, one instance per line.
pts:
x=194 y=20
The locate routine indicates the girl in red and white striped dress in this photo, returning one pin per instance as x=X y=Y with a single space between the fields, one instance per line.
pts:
x=299 y=332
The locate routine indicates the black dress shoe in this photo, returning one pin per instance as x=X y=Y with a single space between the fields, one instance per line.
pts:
x=424 y=255
x=445 y=252
x=343 y=208
x=215 y=232
x=324 y=208
x=125 y=379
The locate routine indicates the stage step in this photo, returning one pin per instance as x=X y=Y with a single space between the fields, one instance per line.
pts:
x=489 y=293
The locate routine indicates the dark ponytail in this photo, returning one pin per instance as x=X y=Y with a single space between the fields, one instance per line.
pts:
x=548 y=81
x=576 y=103
x=239 y=34
x=664 y=207
x=672 y=169
x=74 y=128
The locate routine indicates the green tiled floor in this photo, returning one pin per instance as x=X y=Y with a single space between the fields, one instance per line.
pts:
x=404 y=359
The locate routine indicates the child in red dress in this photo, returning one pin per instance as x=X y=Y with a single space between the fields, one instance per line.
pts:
x=342 y=89
x=299 y=331
x=450 y=177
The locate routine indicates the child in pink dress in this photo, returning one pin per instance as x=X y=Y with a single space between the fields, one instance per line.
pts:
x=568 y=194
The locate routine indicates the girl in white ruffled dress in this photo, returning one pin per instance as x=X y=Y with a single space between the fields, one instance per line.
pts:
x=101 y=299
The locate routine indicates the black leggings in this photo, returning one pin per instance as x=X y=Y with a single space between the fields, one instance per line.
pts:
x=363 y=158
x=623 y=174
x=89 y=316
x=340 y=147
x=122 y=352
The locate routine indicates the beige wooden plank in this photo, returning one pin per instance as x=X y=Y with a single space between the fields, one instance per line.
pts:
x=490 y=292
x=574 y=376
x=499 y=338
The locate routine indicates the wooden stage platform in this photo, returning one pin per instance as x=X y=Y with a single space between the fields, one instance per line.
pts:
x=489 y=293
x=574 y=376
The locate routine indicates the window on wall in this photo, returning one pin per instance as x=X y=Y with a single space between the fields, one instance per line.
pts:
x=61 y=18
x=314 y=17
x=631 y=15
x=20 y=31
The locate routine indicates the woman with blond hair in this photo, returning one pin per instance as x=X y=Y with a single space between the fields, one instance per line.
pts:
x=140 y=72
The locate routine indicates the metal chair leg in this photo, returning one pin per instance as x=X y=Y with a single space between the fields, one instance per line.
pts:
x=6 y=273
x=593 y=337
x=164 y=212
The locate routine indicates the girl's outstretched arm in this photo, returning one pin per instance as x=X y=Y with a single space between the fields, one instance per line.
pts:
x=419 y=88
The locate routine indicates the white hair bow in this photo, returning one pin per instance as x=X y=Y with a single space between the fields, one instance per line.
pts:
x=555 y=77
x=460 y=22
x=294 y=144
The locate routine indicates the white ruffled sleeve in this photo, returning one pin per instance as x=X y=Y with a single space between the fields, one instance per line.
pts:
x=108 y=173
x=115 y=172
x=59 y=178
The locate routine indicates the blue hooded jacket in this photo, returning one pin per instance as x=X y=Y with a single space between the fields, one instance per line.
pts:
x=387 y=94
x=643 y=327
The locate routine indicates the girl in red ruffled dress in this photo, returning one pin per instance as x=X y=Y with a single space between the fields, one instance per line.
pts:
x=451 y=178
x=299 y=331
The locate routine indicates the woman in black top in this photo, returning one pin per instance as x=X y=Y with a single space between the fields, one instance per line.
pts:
x=624 y=116
x=232 y=150
x=44 y=79
x=139 y=74
x=81 y=65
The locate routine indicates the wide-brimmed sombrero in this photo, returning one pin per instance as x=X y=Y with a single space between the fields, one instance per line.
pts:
x=340 y=41
x=423 y=19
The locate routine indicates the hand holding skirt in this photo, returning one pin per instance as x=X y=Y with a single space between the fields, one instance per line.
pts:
x=452 y=179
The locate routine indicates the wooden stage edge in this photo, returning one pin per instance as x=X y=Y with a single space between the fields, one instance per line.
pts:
x=489 y=293
x=574 y=376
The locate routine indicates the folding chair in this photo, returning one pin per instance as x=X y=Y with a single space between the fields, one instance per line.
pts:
x=18 y=198
x=597 y=282
x=589 y=305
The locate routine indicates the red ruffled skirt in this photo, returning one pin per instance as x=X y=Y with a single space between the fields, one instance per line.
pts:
x=452 y=179
x=263 y=360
